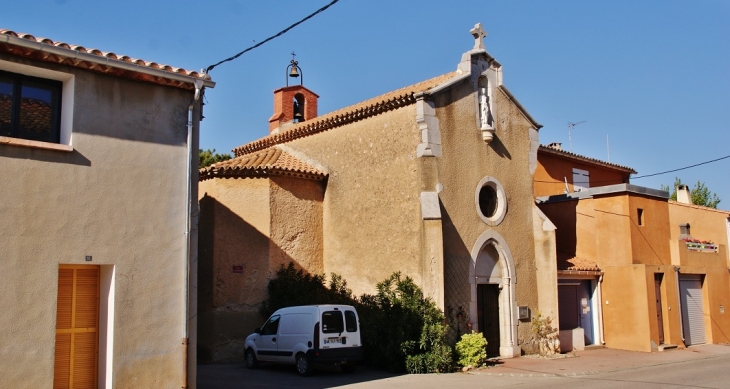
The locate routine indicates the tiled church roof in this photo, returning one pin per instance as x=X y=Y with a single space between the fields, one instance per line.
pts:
x=377 y=105
x=265 y=163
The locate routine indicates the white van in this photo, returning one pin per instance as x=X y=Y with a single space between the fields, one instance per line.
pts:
x=308 y=335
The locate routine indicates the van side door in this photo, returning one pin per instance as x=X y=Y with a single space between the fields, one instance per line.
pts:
x=295 y=333
x=266 y=346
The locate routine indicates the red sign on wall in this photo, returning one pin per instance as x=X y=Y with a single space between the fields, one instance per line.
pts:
x=238 y=268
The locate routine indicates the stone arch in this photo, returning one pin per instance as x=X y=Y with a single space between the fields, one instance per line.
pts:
x=492 y=263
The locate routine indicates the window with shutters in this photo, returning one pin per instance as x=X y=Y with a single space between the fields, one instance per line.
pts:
x=581 y=180
x=77 y=325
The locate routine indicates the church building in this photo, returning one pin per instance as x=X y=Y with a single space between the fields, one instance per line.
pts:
x=433 y=180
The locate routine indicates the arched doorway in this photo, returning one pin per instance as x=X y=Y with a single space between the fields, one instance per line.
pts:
x=493 y=307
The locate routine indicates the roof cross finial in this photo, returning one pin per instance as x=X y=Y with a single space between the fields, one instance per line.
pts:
x=293 y=56
x=478 y=33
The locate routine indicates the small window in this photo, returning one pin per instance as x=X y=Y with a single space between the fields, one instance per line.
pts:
x=640 y=216
x=488 y=201
x=491 y=201
x=271 y=326
x=350 y=321
x=30 y=107
x=332 y=322
x=581 y=180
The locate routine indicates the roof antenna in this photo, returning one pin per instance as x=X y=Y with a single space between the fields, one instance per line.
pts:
x=570 y=128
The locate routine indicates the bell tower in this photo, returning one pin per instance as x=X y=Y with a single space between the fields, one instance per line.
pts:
x=292 y=104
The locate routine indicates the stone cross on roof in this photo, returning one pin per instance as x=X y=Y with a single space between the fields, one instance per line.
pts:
x=479 y=34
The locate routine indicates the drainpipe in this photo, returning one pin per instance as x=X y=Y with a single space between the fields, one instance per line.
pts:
x=679 y=303
x=600 y=309
x=188 y=227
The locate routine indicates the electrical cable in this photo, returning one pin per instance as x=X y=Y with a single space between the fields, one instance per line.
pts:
x=282 y=32
x=682 y=168
x=651 y=175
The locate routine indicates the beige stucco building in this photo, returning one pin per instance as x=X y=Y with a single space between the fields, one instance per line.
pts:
x=433 y=180
x=95 y=149
x=630 y=275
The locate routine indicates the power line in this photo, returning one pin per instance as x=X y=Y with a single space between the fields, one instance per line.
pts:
x=282 y=32
x=682 y=168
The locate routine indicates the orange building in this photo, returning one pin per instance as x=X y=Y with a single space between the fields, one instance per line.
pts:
x=630 y=274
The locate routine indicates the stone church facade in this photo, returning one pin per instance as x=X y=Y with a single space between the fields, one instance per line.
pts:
x=434 y=180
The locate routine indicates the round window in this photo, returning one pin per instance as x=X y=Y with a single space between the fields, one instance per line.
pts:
x=490 y=201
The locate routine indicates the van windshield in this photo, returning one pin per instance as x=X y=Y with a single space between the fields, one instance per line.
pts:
x=332 y=322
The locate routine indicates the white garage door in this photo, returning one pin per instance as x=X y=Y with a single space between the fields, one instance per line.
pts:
x=693 y=313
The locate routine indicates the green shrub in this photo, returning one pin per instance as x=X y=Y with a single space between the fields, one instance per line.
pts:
x=471 y=349
x=293 y=287
x=401 y=330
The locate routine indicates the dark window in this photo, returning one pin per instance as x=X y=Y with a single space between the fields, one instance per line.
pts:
x=488 y=200
x=332 y=322
x=640 y=216
x=30 y=107
x=271 y=326
x=350 y=321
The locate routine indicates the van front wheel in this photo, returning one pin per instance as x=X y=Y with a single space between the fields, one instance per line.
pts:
x=304 y=368
x=251 y=361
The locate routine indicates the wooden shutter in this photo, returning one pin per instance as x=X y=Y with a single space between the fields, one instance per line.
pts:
x=77 y=324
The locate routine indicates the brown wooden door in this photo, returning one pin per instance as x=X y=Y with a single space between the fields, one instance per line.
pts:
x=659 y=314
x=77 y=324
x=488 y=315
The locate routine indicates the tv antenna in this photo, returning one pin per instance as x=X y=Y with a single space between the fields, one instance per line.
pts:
x=570 y=128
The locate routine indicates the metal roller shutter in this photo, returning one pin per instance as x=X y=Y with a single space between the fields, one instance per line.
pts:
x=693 y=313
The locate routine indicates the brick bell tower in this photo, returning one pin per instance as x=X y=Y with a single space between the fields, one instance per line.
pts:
x=292 y=104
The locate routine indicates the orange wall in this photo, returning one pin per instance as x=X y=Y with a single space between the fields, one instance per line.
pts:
x=649 y=241
x=625 y=318
x=552 y=170
x=706 y=223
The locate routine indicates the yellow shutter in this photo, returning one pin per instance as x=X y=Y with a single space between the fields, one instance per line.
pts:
x=77 y=325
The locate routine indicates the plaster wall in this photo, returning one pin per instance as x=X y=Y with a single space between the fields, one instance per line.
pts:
x=466 y=159
x=649 y=237
x=545 y=260
x=613 y=231
x=706 y=224
x=553 y=170
x=575 y=223
x=372 y=224
x=625 y=313
x=119 y=197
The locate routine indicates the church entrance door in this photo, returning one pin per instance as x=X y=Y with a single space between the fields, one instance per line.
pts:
x=488 y=316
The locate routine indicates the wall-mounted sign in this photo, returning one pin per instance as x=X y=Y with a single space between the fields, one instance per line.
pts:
x=238 y=268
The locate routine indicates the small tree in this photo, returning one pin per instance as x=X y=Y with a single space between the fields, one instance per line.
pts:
x=209 y=157
x=700 y=194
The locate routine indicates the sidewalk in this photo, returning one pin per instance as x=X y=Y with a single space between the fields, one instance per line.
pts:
x=599 y=361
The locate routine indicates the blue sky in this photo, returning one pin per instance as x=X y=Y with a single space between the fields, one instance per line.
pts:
x=652 y=76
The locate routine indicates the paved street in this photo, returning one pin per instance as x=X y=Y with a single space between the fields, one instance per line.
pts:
x=699 y=367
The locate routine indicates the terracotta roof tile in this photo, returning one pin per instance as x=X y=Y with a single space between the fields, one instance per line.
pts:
x=111 y=58
x=265 y=163
x=567 y=262
x=578 y=157
x=377 y=105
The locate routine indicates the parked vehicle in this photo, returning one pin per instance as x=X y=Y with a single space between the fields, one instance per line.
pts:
x=306 y=336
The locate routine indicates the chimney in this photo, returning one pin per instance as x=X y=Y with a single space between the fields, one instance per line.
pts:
x=292 y=104
x=556 y=145
x=683 y=195
x=684 y=231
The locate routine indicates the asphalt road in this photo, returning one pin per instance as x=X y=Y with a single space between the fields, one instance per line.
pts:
x=710 y=372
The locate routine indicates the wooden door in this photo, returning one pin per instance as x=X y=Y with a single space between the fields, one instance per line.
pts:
x=659 y=314
x=488 y=316
x=77 y=325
